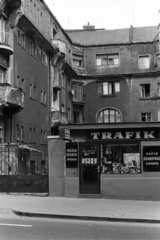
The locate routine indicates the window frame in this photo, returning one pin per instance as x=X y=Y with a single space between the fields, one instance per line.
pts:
x=147 y=115
x=144 y=93
x=104 y=60
x=140 y=65
x=78 y=59
x=114 y=115
x=112 y=88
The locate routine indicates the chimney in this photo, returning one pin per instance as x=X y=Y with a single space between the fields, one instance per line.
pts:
x=131 y=32
x=88 y=27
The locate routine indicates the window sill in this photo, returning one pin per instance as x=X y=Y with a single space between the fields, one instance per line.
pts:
x=108 y=66
x=106 y=96
x=145 y=98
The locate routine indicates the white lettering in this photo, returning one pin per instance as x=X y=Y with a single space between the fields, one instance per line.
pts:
x=106 y=135
x=149 y=135
x=138 y=135
x=129 y=134
x=118 y=135
x=95 y=135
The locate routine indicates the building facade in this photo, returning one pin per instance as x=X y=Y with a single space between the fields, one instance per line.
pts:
x=98 y=88
x=114 y=139
x=35 y=86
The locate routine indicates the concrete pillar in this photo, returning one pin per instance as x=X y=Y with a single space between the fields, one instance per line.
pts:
x=56 y=159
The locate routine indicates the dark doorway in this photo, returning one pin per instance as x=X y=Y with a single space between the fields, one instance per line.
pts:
x=89 y=168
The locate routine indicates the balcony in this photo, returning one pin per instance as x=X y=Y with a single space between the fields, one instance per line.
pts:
x=58 y=118
x=56 y=84
x=6 y=43
x=60 y=46
x=11 y=98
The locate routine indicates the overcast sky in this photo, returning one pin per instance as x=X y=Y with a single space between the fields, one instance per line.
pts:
x=108 y=14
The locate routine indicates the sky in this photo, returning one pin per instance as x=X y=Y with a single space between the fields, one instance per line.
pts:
x=108 y=14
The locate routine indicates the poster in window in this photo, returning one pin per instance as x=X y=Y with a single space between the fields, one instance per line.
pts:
x=131 y=163
x=151 y=159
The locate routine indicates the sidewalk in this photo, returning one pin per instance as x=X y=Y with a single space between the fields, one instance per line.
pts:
x=81 y=208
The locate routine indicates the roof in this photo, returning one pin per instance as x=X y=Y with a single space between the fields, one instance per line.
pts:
x=115 y=36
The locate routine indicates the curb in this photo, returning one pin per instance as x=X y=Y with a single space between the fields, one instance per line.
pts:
x=89 y=218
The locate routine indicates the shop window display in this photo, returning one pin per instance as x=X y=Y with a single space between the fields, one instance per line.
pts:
x=120 y=158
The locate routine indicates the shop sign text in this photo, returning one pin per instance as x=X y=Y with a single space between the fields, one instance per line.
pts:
x=123 y=135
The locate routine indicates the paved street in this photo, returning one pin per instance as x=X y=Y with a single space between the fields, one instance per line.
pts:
x=21 y=228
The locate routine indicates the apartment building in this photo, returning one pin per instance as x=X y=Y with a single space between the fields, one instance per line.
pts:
x=35 y=90
x=114 y=141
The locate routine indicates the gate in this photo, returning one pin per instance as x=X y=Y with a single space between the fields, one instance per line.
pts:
x=23 y=168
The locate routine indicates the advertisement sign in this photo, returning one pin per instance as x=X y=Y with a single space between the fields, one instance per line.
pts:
x=151 y=158
x=71 y=155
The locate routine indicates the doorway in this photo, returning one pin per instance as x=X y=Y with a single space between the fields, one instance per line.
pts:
x=89 y=168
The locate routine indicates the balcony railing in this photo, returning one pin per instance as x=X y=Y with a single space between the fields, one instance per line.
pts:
x=11 y=97
x=6 y=42
x=58 y=117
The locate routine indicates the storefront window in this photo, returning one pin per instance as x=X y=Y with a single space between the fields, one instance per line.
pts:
x=120 y=158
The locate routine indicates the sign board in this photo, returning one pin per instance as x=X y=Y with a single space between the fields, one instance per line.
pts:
x=125 y=134
x=151 y=158
x=65 y=134
x=71 y=155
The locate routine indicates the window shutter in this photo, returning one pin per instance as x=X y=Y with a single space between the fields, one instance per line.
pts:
x=99 y=88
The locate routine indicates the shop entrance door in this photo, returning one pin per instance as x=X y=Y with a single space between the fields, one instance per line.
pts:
x=89 y=168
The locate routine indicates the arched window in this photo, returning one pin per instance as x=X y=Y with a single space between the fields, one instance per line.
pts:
x=109 y=115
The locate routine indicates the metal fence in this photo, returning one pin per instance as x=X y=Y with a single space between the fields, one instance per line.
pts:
x=20 y=159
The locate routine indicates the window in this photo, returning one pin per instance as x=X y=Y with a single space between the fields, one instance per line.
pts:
x=42 y=137
x=158 y=89
x=145 y=90
x=35 y=92
x=18 y=132
x=34 y=135
x=2 y=29
x=43 y=98
x=143 y=62
x=43 y=59
x=107 y=60
x=31 y=91
x=30 y=135
x=21 y=38
x=22 y=133
x=3 y=75
x=78 y=91
x=123 y=158
x=158 y=60
x=23 y=84
x=108 y=115
x=77 y=60
x=146 y=117
x=108 y=88
x=35 y=51
x=31 y=48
